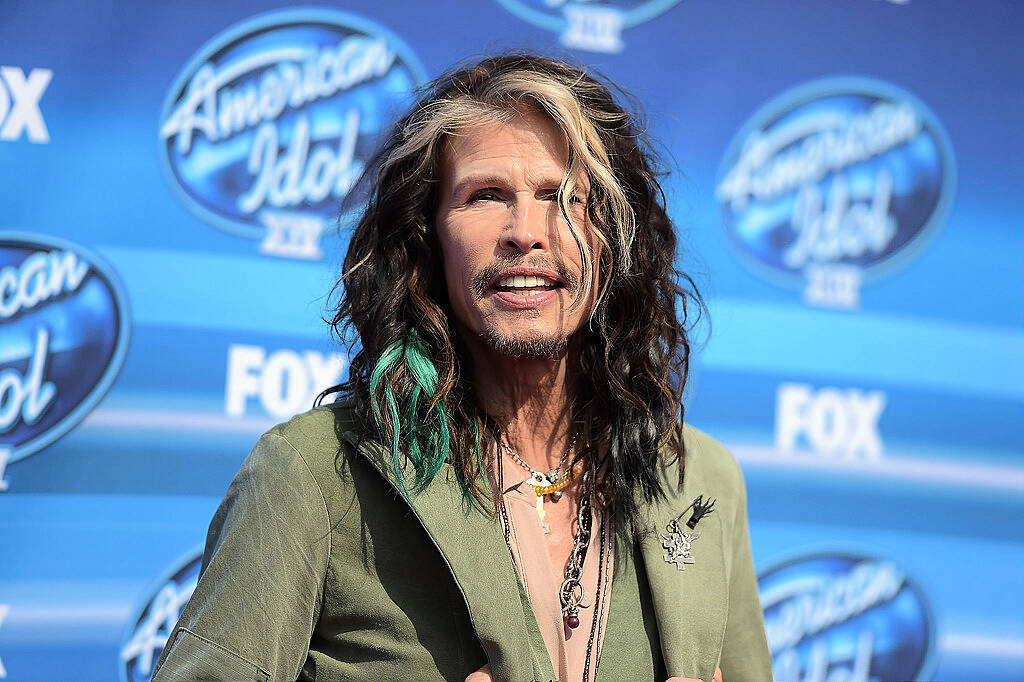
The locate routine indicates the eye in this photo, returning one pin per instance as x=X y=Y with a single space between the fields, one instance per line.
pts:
x=552 y=195
x=486 y=194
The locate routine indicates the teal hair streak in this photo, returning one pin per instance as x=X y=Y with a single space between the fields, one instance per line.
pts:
x=413 y=353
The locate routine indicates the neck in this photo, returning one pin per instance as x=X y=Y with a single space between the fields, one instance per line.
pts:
x=531 y=399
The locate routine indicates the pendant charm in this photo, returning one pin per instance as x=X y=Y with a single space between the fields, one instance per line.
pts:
x=541 y=514
x=572 y=616
x=556 y=496
x=677 y=546
x=552 y=476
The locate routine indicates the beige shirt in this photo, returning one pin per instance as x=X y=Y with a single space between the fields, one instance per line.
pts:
x=567 y=647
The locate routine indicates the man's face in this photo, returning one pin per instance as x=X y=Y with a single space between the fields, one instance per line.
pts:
x=511 y=264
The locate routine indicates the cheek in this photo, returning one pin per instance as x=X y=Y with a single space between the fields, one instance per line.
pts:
x=597 y=277
x=458 y=274
x=457 y=269
x=573 y=257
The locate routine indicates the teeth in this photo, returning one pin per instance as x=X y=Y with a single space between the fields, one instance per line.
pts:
x=525 y=281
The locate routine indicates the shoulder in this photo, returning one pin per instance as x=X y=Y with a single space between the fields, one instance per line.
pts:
x=281 y=467
x=321 y=456
x=709 y=460
x=308 y=432
x=708 y=469
x=314 y=439
x=288 y=466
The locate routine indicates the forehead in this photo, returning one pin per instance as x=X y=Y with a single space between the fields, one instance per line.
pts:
x=528 y=142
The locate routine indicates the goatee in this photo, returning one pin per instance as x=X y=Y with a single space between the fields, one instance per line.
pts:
x=543 y=347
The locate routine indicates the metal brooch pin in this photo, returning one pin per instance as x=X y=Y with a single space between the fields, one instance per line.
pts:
x=677 y=542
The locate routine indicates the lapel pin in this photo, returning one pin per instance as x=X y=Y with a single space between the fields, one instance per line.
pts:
x=677 y=542
x=700 y=510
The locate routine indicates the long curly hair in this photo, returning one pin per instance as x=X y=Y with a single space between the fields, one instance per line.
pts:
x=410 y=381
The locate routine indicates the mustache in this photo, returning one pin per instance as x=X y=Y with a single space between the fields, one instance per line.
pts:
x=484 y=275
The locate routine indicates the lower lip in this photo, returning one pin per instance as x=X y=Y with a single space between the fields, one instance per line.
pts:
x=520 y=302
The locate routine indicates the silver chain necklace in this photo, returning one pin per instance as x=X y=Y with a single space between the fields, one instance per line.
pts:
x=570 y=594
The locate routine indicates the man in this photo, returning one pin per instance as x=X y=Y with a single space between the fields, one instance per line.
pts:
x=504 y=488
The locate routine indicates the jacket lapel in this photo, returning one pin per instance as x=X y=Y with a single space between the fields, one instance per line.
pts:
x=473 y=545
x=690 y=604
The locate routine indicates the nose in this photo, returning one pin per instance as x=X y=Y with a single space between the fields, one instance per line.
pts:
x=528 y=227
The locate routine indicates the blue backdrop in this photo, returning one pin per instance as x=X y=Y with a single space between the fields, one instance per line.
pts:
x=847 y=179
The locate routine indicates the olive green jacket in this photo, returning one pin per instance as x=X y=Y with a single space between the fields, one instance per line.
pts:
x=316 y=567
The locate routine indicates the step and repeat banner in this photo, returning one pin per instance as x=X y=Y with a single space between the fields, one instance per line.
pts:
x=848 y=181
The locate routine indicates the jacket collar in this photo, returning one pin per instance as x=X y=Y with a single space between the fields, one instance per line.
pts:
x=474 y=548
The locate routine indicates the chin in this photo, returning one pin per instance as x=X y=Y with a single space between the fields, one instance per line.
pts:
x=519 y=345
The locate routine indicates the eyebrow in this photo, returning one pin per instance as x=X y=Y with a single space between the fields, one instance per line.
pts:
x=486 y=180
x=493 y=180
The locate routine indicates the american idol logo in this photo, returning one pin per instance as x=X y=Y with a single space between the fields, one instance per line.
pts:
x=845 y=617
x=269 y=126
x=594 y=25
x=64 y=326
x=833 y=183
x=154 y=620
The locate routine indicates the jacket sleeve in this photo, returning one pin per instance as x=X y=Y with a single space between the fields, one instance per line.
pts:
x=260 y=588
x=745 y=654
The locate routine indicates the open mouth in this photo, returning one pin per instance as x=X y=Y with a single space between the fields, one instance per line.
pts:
x=526 y=285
